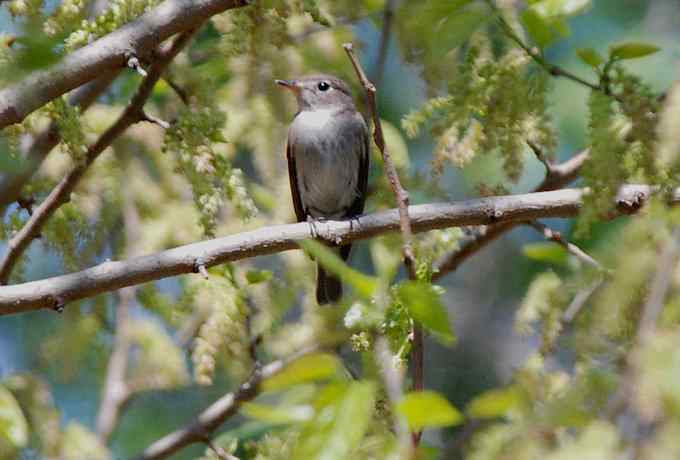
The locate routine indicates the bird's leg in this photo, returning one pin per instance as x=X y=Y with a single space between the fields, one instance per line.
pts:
x=312 y=226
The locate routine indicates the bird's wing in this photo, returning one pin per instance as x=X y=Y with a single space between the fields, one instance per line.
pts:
x=292 y=176
x=364 y=165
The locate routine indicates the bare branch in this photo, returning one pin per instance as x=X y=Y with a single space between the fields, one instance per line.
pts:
x=112 y=275
x=216 y=414
x=133 y=113
x=107 y=55
x=402 y=197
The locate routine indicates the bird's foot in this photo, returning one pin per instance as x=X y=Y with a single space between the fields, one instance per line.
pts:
x=312 y=227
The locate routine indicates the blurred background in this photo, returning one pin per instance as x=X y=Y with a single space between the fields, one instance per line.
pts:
x=70 y=351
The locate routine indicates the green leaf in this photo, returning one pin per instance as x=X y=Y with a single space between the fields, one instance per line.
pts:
x=493 y=403
x=339 y=427
x=258 y=276
x=363 y=284
x=310 y=368
x=13 y=426
x=632 y=50
x=546 y=251
x=544 y=30
x=285 y=414
x=590 y=56
x=423 y=409
x=425 y=305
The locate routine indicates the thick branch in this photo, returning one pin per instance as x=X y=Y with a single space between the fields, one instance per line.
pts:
x=133 y=113
x=107 y=55
x=216 y=414
x=112 y=275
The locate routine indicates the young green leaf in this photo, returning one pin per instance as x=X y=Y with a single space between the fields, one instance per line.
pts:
x=493 y=403
x=423 y=409
x=339 y=427
x=310 y=368
x=258 y=276
x=632 y=50
x=590 y=56
x=544 y=30
x=425 y=305
x=546 y=251
x=363 y=284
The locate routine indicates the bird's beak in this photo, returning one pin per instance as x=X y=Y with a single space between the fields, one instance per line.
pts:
x=292 y=85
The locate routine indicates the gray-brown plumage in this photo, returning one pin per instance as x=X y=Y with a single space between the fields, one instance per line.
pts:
x=328 y=160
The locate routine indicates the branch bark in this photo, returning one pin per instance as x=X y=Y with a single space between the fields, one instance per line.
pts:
x=107 y=55
x=132 y=114
x=109 y=276
x=217 y=413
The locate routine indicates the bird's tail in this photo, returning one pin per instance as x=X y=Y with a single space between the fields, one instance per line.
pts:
x=329 y=287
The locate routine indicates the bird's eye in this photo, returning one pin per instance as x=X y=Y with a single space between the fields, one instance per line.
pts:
x=323 y=86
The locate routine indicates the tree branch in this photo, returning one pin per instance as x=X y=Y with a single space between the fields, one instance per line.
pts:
x=551 y=235
x=217 y=413
x=402 y=198
x=133 y=113
x=558 y=176
x=112 y=275
x=106 y=55
x=35 y=149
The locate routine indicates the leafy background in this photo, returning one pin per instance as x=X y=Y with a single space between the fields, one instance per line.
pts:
x=237 y=126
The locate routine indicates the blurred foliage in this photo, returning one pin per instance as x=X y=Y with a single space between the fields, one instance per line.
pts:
x=492 y=100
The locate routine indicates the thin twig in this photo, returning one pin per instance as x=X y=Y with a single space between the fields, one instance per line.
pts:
x=401 y=195
x=113 y=275
x=61 y=194
x=552 y=235
x=217 y=413
x=580 y=300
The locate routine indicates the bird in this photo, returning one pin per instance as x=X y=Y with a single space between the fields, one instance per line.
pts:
x=328 y=161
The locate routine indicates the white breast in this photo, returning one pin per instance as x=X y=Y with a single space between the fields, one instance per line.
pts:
x=314 y=119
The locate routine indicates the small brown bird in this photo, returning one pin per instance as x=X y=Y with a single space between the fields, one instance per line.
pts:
x=328 y=155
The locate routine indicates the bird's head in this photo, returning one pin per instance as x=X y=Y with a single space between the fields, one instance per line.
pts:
x=319 y=92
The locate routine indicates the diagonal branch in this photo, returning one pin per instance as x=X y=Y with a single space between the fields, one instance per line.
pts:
x=35 y=149
x=133 y=113
x=558 y=176
x=402 y=198
x=217 y=413
x=106 y=55
x=552 y=235
x=112 y=275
